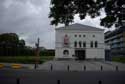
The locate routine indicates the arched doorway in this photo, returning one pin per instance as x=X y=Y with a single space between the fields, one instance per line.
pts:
x=65 y=52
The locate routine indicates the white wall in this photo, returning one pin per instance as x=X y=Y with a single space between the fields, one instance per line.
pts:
x=95 y=53
x=90 y=52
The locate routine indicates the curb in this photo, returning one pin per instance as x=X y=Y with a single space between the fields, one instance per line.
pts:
x=16 y=66
x=2 y=66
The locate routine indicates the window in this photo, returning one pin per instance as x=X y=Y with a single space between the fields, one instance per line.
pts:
x=96 y=44
x=84 y=35
x=75 y=44
x=75 y=35
x=84 y=44
x=66 y=52
x=79 y=35
x=93 y=35
x=80 y=44
x=91 y=44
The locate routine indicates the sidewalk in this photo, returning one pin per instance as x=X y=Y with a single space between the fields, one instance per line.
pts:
x=72 y=66
x=82 y=66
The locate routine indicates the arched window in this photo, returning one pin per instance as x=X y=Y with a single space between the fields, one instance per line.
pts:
x=79 y=35
x=84 y=44
x=66 y=52
x=84 y=35
x=75 y=35
x=80 y=44
x=91 y=44
x=75 y=44
x=93 y=35
x=96 y=44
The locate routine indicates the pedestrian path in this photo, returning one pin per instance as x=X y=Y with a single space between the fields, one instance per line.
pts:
x=82 y=66
x=72 y=66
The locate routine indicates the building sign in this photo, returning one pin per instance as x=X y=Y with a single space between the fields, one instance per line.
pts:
x=66 y=40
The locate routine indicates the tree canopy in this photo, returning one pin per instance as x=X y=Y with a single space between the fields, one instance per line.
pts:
x=10 y=45
x=63 y=11
x=11 y=39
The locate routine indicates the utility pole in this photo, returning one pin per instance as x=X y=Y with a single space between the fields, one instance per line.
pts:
x=37 y=54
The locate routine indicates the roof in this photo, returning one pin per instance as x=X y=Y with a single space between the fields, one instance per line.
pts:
x=77 y=26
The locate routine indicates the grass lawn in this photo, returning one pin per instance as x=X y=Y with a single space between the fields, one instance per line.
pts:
x=24 y=59
x=119 y=59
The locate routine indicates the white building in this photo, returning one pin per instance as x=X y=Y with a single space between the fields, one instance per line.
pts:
x=80 y=42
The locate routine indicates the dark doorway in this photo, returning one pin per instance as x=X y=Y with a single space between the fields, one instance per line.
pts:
x=80 y=54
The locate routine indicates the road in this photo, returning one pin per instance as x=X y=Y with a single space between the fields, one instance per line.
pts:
x=11 y=76
x=78 y=72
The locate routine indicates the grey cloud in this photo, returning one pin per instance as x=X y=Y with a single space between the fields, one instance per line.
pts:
x=29 y=19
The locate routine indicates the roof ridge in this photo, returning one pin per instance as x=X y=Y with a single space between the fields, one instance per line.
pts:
x=78 y=26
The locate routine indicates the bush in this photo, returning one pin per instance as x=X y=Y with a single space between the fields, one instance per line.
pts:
x=119 y=59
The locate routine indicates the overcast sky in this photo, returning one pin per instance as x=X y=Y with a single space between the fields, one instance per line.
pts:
x=29 y=19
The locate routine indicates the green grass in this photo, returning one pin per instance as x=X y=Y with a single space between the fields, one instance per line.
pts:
x=119 y=59
x=24 y=59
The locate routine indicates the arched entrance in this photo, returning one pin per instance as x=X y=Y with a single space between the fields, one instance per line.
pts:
x=65 y=52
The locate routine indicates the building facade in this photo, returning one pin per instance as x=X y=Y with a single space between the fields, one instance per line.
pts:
x=79 y=41
x=116 y=40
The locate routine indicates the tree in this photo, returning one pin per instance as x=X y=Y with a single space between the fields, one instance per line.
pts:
x=22 y=43
x=8 y=43
x=9 y=38
x=11 y=45
x=63 y=11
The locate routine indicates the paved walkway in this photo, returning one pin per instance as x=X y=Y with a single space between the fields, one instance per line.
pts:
x=74 y=66
x=91 y=74
x=82 y=65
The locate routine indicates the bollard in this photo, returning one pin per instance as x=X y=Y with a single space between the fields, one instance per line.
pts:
x=58 y=81
x=116 y=68
x=51 y=67
x=18 y=81
x=84 y=68
x=99 y=82
x=101 y=68
x=68 y=67
x=35 y=66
